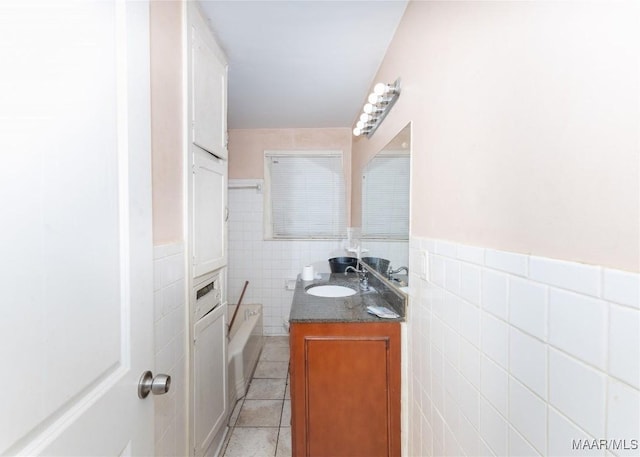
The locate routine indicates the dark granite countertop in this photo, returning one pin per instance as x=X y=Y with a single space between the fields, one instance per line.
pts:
x=309 y=308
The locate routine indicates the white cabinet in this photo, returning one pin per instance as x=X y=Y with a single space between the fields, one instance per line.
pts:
x=209 y=380
x=209 y=206
x=209 y=91
x=207 y=114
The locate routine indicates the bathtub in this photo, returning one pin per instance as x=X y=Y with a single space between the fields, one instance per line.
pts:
x=245 y=344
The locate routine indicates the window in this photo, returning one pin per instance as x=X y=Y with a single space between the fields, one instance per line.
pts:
x=385 y=197
x=304 y=195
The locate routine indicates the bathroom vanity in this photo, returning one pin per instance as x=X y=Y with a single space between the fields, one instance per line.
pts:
x=345 y=371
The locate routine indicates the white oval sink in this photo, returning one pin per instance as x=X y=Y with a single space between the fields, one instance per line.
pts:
x=331 y=291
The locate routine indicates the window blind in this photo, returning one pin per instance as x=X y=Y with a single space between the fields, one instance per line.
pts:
x=385 y=197
x=307 y=195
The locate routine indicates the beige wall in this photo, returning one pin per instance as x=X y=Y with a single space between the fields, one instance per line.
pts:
x=166 y=119
x=247 y=146
x=525 y=134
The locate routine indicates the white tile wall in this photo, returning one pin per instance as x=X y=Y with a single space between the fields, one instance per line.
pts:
x=512 y=354
x=471 y=254
x=268 y=265
x=578 y=391
x=528 y=307
x=561 y=432
x=622 y=287
x=170 y=349
x=624 y=344
x=623 y=412
x=494 y=293
x=493 y=429
x=528 y=414
x=470 y=360
x=495 y=339
x=528 y=361
x=470 y=283
x=494 y=385
x=518 y=446
x=470 y=323
x=506 y=261
x=579 y=277
x=578 y=325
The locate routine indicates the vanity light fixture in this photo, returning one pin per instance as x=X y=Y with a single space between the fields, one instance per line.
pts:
x=378 y=105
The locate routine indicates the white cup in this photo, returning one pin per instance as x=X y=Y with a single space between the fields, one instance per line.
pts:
x=307 y=273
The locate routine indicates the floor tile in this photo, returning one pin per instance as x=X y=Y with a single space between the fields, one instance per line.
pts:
x=260 y=413
x=275 y=354
x=252 y=442
x=266 y=389
x=260 y=422
x=286 y=414
x=271 y=370
x=282 y=341
x=284 y=442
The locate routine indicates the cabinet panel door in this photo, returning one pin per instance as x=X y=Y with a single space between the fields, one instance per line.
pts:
x=347 y=391
x=210 y=378
x=345 y=387
x=209 y=213
x=209 y=86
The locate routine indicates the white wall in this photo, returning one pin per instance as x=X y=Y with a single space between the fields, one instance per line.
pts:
x=170 y=349
x=166 y=29
x=512 y=354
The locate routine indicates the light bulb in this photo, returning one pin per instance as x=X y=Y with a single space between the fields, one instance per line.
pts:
x=373 y=98
x=357 y=131
x=360 y=125
x=364 y=117
x=381 y=89
x=368 y=108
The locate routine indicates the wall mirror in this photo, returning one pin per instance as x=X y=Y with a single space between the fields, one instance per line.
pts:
x=385 y=191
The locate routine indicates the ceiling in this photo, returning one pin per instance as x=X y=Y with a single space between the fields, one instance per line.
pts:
x=301 y=63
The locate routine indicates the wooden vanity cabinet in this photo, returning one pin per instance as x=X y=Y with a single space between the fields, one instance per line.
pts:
x=345 y=389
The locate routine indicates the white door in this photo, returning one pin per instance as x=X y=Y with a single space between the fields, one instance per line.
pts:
x=75 y=237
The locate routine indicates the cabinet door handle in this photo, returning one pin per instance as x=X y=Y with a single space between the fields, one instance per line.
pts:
x=226 y=214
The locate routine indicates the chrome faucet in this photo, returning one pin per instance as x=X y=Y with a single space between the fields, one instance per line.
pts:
x=393 y=272
x=362 y=274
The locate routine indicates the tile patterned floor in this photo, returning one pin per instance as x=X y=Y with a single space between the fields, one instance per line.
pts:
x=261 y=421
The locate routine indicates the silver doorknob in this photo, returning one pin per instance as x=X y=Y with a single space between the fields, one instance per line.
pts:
x=157 y=385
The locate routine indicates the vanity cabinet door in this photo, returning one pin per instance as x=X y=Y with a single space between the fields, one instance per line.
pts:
x=345 y=389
